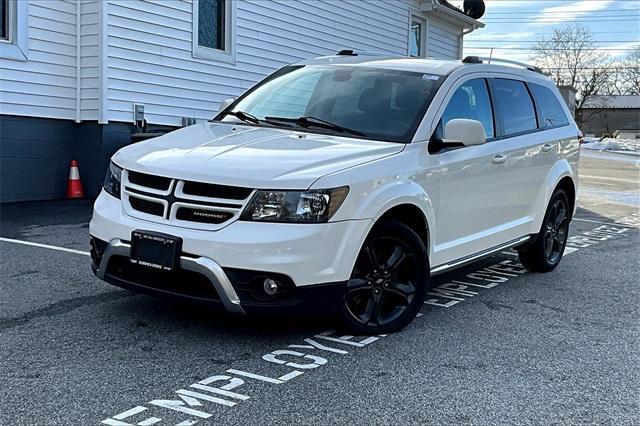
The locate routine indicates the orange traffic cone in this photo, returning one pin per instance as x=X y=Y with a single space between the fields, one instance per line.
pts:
x=74 y=186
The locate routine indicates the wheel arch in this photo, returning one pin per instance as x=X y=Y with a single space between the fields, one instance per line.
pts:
x=562 y=176
x=567 y=184
x=405 y=201
x=410 y=215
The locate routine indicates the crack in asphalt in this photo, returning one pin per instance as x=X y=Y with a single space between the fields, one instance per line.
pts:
x=496 y=306
x=61 y=307
x=535 y=302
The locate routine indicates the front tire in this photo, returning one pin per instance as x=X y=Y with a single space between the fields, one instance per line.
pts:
x=545 y=252
x=389 y=281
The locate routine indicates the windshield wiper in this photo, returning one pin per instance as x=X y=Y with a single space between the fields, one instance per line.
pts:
x=317 y=122
x=244 y=116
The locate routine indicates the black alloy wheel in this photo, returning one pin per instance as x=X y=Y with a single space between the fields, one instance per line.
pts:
x=389 y=281
x=555 y=231
x=544 y=253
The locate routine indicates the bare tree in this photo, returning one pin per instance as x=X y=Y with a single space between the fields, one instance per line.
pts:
x=631 y=71
x=570 y=57
x=624 y=77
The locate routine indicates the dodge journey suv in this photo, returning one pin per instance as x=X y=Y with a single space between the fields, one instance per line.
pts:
x=341 y=185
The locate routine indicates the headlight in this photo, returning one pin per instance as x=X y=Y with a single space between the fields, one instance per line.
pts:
x=112 y=180
x=315 y=206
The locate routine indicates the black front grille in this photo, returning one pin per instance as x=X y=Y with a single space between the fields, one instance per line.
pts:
x=179 y=281
x=202 y=216
x=216 y=191
x=146 y=206
x=149 y=181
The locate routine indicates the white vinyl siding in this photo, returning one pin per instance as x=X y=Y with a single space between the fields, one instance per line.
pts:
x=141 y=51
x=45 y=84
x=89 y=60
x=443 y=39
x=151 y=59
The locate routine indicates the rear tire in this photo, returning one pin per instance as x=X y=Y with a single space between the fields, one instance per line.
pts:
x=545 y=252
x=389 y=281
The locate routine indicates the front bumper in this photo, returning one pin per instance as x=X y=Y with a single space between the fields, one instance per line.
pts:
x=305 y=256
x=200 y=265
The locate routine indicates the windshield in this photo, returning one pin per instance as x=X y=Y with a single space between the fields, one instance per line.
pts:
x=361 y=102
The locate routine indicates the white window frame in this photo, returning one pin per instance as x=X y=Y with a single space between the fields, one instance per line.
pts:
x=17 y=47
x=229 y=52
x=413 y=17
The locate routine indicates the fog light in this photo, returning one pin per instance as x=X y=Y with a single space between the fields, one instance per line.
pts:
x=270 y=286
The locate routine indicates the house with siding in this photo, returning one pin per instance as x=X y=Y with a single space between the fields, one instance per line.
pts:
x=79 y=77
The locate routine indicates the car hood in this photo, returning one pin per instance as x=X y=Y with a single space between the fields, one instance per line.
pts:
x=256 y=157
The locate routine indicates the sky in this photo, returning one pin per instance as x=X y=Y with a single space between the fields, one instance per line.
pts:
x=512 y=27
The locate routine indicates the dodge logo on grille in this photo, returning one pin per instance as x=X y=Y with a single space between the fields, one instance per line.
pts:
x=209 y=215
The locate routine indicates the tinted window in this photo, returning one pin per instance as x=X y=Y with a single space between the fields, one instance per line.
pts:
x=471 y=100
x=516 y=106
x=380 y=103
x=211 y=24
x=4 y=19
x=552 y=112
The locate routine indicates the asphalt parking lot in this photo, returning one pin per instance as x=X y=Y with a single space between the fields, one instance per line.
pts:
x=494 y=344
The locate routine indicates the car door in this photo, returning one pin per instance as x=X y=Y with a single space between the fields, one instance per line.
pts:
x=474 y=189
x=532 y=151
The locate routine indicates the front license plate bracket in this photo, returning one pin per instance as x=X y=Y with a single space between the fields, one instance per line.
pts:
x=155 y=250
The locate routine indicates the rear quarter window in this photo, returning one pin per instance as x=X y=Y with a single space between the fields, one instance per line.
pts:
x=552 y=113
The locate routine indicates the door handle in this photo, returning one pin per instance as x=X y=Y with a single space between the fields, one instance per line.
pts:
x=547 y=147
x=498 y=159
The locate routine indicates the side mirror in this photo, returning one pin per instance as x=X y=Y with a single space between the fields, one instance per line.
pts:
x=467 y=132
x=225 y=104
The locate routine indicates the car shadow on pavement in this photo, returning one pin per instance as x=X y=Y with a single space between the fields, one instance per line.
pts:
x=152 y=311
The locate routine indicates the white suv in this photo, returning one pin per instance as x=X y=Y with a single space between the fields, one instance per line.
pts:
x=343 y=183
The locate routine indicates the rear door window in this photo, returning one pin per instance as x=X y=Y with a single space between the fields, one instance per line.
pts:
x=515 y=106
x=552 y=113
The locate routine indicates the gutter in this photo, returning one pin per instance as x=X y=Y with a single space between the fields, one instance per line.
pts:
x=435 y=6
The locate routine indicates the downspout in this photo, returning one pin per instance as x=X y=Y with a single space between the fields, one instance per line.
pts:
x=102 y=53
x=78 y=50
x=461 y=40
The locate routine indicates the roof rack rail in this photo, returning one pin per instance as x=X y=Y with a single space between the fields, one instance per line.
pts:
x=351 y=52
x=482 y=59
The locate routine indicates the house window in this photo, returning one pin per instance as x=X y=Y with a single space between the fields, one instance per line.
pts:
x=214 y=30
x=211 y=24
x=417 y=38
x=4 y=19
x=13 y=29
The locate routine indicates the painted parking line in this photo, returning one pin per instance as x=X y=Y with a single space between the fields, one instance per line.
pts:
x=281 y=365
x=601 y=222
x=274 y=368
x=455 y=291
x=46 y=246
